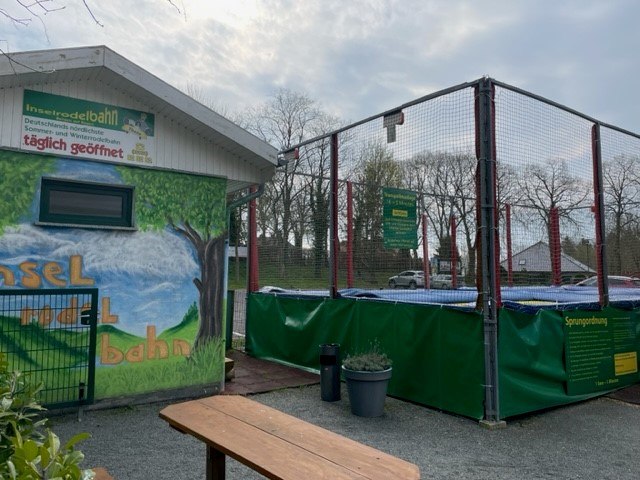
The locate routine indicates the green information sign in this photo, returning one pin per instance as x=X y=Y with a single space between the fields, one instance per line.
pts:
x=399 y=218
x=71 y=127
x=601 y=350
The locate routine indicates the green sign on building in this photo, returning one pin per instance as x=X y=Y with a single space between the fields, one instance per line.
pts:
x=601 y=350
x=72 y=127
x=399 y=218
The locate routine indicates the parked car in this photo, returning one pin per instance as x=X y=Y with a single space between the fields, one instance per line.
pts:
x=408 y=279
x=615 y=281
x=442 y=281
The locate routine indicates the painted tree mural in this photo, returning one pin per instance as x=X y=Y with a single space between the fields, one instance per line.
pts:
x=194 y=207
x=19 y=178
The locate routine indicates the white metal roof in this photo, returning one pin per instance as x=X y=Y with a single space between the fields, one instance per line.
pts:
x=536 y=258
x=23 y=69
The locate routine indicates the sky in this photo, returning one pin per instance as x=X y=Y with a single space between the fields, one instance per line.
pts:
x=357 y=58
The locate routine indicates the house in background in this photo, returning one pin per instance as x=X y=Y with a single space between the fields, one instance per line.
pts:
x=532 y=266
x=113 y=214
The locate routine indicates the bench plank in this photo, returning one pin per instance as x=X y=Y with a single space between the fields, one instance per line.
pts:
x=280 y=446
x=101 y=474
x=268 y=455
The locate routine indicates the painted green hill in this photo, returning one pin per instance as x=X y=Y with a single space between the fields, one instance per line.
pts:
x=186 y=329
x=32 y=346
x=119 y=335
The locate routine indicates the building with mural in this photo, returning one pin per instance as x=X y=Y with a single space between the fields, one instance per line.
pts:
x=114 y=185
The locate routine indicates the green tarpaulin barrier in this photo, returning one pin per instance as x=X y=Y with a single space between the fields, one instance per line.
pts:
x=437 y=353
x=531 y=353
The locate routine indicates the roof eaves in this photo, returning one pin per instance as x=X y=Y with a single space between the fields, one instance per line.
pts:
x=102 y=61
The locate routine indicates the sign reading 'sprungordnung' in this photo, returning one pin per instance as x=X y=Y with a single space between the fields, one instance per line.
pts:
x=71 y=127
x=601 y=350
x=399 y=218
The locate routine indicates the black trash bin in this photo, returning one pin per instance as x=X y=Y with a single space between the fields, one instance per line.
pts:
x=330 y=372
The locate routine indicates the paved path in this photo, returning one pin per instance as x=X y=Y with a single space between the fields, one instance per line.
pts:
x=252 y=375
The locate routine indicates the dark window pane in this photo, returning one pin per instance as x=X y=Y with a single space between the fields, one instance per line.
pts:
x=69 y=202
x=80 y=203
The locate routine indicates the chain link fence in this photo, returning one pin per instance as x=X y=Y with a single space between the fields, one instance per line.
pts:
x=621 y=189
x=389 y=207
x=404 y=184
x=545 y=192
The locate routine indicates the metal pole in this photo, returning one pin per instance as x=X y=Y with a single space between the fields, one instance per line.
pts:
x=334 y=247
x=454 y=251
x=486 y=166
x=426 y=266
x=349 y=235
x=253 y=281
x=509 y=250
x=598 y=192
x=554 y=245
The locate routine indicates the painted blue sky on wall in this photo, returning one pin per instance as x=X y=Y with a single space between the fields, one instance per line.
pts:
x=147 y=274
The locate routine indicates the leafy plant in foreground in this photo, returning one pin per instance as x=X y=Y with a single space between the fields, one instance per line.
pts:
x=28 y=450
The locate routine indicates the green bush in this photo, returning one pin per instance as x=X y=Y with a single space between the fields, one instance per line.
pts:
x=29 y=450
x=371 y=360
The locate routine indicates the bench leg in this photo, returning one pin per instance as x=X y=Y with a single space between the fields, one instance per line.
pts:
x=215 y=464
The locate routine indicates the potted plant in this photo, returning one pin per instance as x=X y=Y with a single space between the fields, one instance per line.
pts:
x=367 y=375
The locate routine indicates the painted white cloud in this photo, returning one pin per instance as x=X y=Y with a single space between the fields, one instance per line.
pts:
x=144 y=254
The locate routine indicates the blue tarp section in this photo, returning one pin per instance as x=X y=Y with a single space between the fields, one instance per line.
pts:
x=523 y=299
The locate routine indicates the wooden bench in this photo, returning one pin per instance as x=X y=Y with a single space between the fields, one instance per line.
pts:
x=101 y=474
x=278 y=445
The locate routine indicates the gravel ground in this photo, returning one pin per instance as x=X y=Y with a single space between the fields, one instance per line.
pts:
x=597 y=439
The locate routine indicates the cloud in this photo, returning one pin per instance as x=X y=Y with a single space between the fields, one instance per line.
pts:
x=361 y=57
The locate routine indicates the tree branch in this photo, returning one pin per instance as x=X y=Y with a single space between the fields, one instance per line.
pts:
x=91 y=13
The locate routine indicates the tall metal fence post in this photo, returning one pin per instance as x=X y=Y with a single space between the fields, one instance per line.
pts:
x=507 y=214
x=555 y=246
x=349 y=235
x=334 y=243
x=426 y=266
x=253 y=282
x=598 y=197
x=453 y=261
x=231 y=301
x=488 y=242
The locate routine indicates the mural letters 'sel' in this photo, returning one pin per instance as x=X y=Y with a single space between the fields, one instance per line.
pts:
x=160 y=287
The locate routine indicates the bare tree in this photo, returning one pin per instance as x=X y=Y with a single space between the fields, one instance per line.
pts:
x=507 y=188
x=25 y=12
x=622 y=193
x=198 y=94
x=445 y=184
x=427 y=174
x=284 y=121
x=376 y=168
x=550 y=185
x=313 y=214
